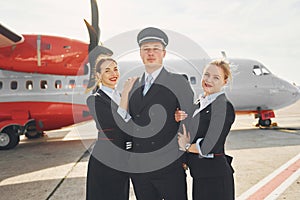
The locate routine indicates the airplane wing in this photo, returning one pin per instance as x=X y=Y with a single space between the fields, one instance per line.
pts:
x=8 y=38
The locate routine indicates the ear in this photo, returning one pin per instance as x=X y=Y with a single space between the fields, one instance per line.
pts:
x=98 y=76
x=164 y=54
x=225 y=81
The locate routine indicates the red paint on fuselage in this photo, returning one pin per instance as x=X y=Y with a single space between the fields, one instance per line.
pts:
x=48 y=115
x=58 y=56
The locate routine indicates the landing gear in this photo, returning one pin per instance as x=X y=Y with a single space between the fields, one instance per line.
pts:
x=266 y=122
x=264 y=117
x=31 y=132
x=9 y=138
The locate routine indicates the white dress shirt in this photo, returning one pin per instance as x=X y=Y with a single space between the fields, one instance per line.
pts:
x=112 y=93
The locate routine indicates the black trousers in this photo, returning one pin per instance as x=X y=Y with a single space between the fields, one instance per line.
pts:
x=169 y=185
x=105 y=183
x=213 y=188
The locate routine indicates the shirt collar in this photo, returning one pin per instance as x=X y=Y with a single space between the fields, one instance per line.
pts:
x=106 y=89
x=210 y=98
x=153 y=74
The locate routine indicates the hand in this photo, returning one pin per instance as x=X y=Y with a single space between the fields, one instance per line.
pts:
x=126 y=89
x=180 y=115
x=183 y=139
x=128 y=85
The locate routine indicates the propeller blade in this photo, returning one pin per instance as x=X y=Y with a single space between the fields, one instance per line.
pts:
x=95 y=51
x=93 y=36
x=95 y=18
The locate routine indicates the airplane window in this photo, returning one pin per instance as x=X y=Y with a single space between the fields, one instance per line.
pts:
x=85 y=83
x=257 y=70
x=193 y=80
x=58 y=84
x=44 y=84
x=14 y=85
x=29 y=85
x=72 y=84
x=1 y=85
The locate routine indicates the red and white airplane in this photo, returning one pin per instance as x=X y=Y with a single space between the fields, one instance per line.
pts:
x=43 y=82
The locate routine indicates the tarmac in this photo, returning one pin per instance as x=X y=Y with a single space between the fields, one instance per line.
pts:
x=266 y=161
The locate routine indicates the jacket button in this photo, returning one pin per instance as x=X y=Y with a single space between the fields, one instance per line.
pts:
x=138 y=116
x=152 y=143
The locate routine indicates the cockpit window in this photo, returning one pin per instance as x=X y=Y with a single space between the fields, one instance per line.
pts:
x=265 y=71
x=257 y=70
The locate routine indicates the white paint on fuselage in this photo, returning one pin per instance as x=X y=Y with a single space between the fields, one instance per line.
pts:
x=247 y=91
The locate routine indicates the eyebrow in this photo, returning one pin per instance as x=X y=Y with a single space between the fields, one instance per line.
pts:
x=213 y=74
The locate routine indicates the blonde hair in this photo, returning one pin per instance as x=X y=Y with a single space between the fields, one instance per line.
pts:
x=223 y=64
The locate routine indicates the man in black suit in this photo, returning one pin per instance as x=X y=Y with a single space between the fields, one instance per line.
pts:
x=152 y=104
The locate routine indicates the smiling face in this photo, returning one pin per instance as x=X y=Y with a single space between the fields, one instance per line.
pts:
x=108 y=74
x=213 y=79
x=152 y=54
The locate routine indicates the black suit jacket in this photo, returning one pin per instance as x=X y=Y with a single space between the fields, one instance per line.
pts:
x=168 y=92
x=209 y=118
x=109 y=125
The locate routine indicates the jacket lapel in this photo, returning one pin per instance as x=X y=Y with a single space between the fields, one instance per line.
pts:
x=106 y=98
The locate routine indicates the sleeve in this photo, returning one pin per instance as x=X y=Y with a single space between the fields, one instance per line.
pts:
x=108 y=122
x=124 y=114
x=222 y=117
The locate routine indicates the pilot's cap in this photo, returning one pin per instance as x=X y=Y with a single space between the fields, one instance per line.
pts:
x=152 y=34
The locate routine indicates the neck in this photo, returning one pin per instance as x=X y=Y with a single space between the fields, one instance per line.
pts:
x=150 y=68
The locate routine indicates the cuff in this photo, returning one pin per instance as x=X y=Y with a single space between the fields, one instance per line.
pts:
x=124 y=114
x=210 y=155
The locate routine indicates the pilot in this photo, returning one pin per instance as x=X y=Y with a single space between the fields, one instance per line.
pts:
x=208 y=128
x=105 y=181
x=157 y=86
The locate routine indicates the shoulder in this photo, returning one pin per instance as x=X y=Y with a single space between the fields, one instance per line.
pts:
x=96 y=97
x=224 y=100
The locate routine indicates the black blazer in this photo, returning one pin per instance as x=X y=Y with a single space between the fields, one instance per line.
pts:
x=108 y=122
x=168 y=92
x=205 y=125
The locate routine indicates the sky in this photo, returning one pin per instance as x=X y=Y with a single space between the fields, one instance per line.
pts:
x=265 y=30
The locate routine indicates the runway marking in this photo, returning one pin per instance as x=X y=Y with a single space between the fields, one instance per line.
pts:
x=274 y=184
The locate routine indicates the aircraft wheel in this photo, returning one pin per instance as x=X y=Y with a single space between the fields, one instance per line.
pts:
x=266 y=123
x=31 y=132
x=9 y=139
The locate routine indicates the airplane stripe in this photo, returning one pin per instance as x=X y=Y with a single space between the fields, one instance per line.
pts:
x=266 y=186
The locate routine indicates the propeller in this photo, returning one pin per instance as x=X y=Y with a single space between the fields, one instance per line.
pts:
x=96 y=51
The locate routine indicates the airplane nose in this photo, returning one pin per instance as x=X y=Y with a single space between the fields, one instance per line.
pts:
x=298 y=92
